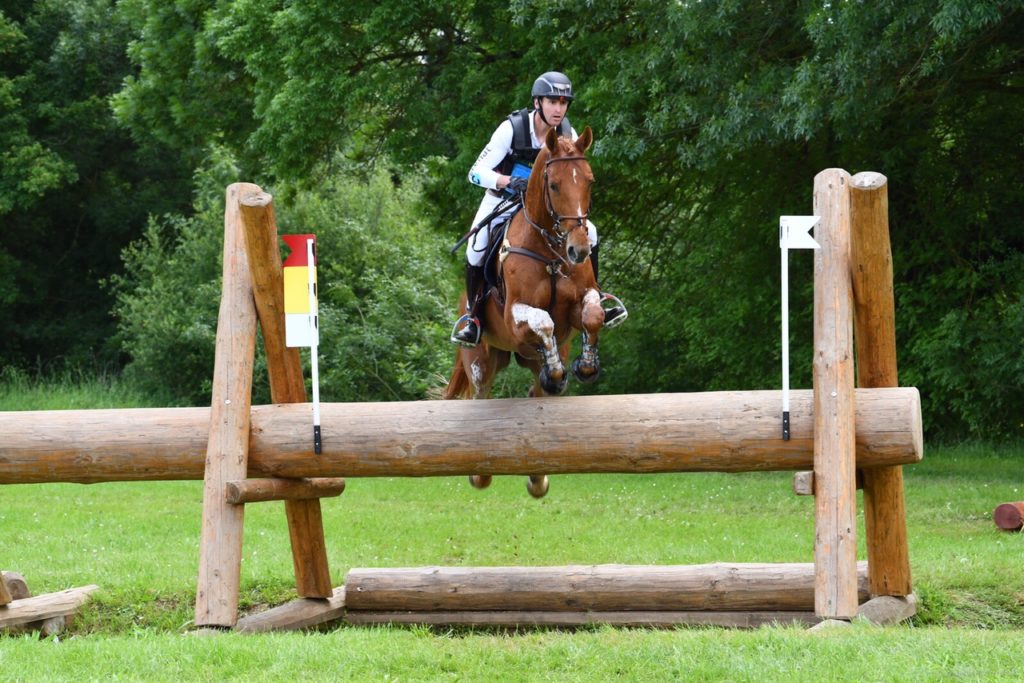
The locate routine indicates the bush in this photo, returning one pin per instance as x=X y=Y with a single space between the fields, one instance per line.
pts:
x=386 y=290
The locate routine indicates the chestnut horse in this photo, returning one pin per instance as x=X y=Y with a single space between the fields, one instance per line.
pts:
x=547 y=291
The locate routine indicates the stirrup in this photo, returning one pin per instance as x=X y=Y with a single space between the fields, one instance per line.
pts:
x=466 y=322
x=617 y=309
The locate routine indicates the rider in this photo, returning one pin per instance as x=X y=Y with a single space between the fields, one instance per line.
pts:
x=502 y=168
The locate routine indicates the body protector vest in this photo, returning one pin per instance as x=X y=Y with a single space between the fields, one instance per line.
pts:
x=523 y=152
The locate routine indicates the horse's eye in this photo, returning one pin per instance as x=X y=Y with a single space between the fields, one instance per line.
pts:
x=554 y=187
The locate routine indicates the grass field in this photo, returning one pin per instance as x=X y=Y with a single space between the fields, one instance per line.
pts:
x=139 y=542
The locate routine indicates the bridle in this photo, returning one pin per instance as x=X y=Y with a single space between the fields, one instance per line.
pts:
x=556 y=239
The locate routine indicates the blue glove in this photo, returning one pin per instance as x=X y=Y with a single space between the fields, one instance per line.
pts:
x=517 y=185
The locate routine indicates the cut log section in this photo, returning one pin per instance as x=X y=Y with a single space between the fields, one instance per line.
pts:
x=1009 y=516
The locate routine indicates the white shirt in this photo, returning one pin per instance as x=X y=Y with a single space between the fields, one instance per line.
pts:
x=498 y=147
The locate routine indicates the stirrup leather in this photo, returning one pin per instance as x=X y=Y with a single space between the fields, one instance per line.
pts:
x=614 y=304
x=464 y=323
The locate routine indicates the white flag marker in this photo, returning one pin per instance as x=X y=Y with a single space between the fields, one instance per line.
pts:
x=793 y=234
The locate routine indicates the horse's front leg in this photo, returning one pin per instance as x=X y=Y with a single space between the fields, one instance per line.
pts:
x=587 y=366
x=534 y=329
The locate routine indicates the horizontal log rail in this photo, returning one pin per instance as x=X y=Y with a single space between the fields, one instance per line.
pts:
x=600 y=588
x=641 y=433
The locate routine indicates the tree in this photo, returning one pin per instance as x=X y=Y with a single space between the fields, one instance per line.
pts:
x=711 y=120
x=74 y=187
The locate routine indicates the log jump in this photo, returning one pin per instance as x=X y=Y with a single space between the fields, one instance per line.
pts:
x=846 y=437
x=701 y=432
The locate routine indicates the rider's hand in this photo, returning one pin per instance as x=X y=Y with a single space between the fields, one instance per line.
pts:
x=517 y=184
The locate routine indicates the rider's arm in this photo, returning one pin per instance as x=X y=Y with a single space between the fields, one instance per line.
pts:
x=498 y=147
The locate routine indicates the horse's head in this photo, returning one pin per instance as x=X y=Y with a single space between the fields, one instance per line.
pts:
x=566 y=189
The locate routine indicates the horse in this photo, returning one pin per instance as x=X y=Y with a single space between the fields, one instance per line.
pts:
x=546 y=292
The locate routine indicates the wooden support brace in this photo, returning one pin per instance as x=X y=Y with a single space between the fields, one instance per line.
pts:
x=803 y=483
x=299 y=614
x=885 y=523
x=260 y=490
x=886 y=610
x=305 y=521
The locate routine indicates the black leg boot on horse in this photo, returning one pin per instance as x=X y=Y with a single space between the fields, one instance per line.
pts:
x=615 y=312
x=468 y=328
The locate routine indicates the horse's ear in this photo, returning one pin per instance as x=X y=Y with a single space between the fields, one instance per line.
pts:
x=551 y=140
x=584 y=141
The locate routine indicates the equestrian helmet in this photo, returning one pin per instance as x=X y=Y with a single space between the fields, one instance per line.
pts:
x=553 y=84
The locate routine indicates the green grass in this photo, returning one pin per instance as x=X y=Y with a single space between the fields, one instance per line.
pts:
x=140 y=543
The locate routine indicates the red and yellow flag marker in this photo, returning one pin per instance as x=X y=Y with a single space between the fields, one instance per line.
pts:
x=301 y=323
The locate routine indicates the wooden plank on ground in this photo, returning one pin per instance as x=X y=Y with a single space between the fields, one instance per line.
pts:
x=298 y=614
x=220 y=542
x=835 y=535
x=44 y=607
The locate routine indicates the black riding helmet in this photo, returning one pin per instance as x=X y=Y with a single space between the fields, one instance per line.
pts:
x=551 y=84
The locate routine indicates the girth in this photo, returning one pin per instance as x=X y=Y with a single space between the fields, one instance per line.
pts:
x=553 y=266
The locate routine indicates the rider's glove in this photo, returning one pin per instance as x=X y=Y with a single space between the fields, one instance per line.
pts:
x=517 y=185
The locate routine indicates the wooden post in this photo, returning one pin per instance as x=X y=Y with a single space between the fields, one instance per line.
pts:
x=220 y=543
x=835 y=541
x=885 y=522
x=305 y=522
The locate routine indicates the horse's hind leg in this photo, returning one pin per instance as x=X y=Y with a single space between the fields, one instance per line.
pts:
x=482 y=367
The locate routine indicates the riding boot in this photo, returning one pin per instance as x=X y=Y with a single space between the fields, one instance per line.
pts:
x=467 y=328
x=616 y=312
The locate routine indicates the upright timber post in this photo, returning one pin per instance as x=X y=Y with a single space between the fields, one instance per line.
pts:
x=875 y=325
x=835 y=533
x=220 y=541
x=305 y=522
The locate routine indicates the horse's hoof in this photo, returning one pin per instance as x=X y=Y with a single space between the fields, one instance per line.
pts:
x=551 y=386
x=578 y=367
x=537 y=486
x=480 y=481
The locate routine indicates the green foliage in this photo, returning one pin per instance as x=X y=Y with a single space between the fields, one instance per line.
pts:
x=384 y=289
x=74 y=187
